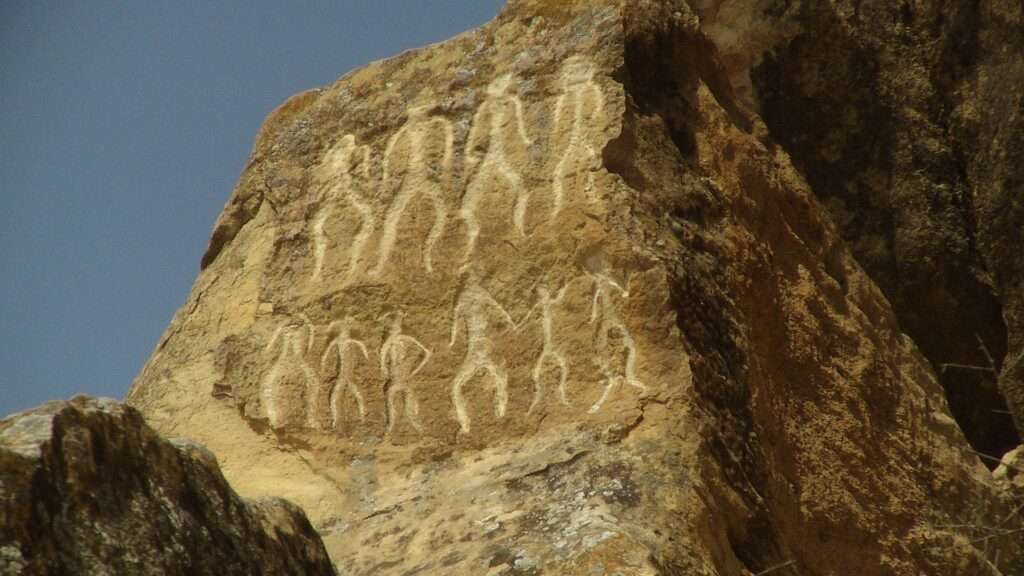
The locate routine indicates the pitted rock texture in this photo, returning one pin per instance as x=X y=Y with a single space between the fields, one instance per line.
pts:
x=551 y=298
x=86 y=487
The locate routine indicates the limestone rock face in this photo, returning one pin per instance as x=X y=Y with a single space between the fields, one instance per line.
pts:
x=554 y=297
x=86 y=487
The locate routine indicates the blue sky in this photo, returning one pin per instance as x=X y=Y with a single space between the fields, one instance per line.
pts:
x=124 y=126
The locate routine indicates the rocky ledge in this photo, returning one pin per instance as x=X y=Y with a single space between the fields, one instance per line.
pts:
x=86 y=487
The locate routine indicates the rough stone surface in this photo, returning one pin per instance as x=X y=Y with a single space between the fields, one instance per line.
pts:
x=1011 y=468
x=617 y=287
x=86 y=487
x=907 y=120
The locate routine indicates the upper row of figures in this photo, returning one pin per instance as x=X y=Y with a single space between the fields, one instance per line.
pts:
x=296 y=374
x=497 y=137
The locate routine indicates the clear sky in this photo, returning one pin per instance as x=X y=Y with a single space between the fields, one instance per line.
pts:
x=123 y=127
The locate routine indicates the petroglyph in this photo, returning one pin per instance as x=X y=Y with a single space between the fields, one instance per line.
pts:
x=580 y=158
x=294 y=341
x=419 y=127
x=475 y=306
x=395 y=355
x=319 y=241
x=343 y=382
x=550 y=351
x=345 y=170
x=609 y=323
x=491 y=133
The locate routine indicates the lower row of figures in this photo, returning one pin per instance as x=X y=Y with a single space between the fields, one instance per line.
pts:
x=325 y=386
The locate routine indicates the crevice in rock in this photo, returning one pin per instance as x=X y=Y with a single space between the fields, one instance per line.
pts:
x=553 y=466
x=904 y=209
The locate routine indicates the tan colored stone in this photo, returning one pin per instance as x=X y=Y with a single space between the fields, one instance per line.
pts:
x=547 y=298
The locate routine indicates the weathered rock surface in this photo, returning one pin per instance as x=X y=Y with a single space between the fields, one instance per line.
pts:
x=1011 y=468
x=907 y=119
x=572 y=294
x=86 y=487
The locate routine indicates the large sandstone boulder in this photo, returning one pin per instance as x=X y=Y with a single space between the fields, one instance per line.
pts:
x=86 y=487
x=550 y=297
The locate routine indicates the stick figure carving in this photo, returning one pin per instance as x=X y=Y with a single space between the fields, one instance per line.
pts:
x=493 y=134
x=295 y=338
x=550 y=351
x=339 y=166
x=343 y=382
x=580 y=95
x=603 y=311
x=421 y=177
x=474 y=307
x=395 y=353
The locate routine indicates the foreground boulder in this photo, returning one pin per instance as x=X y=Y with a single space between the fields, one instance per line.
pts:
x=86 y=487
x=552 y=298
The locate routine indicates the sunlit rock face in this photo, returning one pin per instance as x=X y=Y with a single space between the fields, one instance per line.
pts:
x=86 y=487
x=552 y=297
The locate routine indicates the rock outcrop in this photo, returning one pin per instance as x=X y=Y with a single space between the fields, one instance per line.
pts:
x=86 y=487
x=589 y=290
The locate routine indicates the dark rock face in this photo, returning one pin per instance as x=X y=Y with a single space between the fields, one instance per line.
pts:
x=988 y=118
x=86 y=487
x=905 y=119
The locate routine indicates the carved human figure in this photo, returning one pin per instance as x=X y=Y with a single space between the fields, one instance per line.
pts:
x=343 y=382
x=578 y=120
x=498 y=128
x=423 y=176
x=397 y=356
x=475 y=307
x=345 y=170
x=603 y=311
x=293 y=341
x=550 y=352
